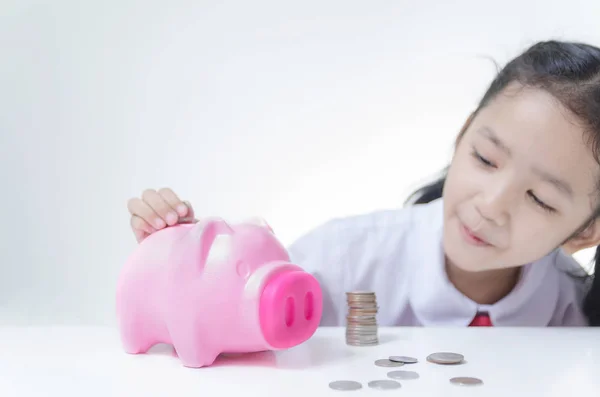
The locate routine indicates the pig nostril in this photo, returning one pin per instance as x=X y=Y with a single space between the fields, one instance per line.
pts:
x=289 y=311
x=308 y=306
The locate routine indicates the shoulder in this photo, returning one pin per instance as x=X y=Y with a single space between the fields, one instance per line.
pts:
x=572 y=282
x=572 y=277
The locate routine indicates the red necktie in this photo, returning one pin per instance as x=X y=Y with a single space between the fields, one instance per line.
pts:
x=481 y=320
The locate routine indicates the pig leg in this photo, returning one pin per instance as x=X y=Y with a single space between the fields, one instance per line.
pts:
x=192 y=348
x=133 y=337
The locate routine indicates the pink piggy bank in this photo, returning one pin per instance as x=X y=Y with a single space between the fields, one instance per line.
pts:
x=212 y=287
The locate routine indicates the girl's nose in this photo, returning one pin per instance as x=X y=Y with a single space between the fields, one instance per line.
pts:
x=495 y=206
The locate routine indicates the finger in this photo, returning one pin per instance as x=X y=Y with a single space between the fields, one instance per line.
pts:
x=174 y=202
x=160 y=206
x=143 y=210
x=189 y=218
x=140 y=235
x=138 y=224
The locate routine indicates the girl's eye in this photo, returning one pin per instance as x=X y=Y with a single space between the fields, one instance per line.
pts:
x=540 y=203
x=487 y=163
x=482 y=159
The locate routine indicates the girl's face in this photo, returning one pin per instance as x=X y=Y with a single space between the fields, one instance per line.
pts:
x=522 y=180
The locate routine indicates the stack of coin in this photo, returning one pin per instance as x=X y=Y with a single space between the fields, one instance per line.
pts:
x=361 y=320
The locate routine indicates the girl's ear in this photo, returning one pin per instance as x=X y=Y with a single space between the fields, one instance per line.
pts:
x=590 y=237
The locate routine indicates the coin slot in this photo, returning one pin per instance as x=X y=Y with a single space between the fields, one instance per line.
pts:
x=308 y=306
x=289 y=311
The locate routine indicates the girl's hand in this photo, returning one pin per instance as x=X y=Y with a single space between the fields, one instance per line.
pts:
x=156 y=210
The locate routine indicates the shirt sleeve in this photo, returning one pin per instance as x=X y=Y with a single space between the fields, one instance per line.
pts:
x=572 y=317
x=573 y=284
x=319 y=252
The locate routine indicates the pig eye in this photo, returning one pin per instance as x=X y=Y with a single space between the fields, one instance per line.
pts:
x=242 y=269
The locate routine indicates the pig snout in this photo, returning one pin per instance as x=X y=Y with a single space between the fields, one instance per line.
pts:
x=290 y=308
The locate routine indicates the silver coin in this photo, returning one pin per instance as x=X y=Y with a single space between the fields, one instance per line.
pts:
x=384 y=362
x=361 y=334
x=371 y=299
x=361 y=331
x=345 y=385
x=351 y=331
x=362 y=344
x=361 y=321
x=362 y=341
x=358 y=340
x=353 y=297
x=445 y=358
x=367 y=300
x=403 y=375
x=384 y=384
x=362 y=298
x=466 y=381
x=362 y=302
x=404 y=359
x=362 y=312
x=359 y=343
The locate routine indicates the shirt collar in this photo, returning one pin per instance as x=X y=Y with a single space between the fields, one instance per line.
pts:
x=436 y=302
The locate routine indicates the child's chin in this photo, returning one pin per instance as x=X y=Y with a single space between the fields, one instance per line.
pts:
x=468 y=262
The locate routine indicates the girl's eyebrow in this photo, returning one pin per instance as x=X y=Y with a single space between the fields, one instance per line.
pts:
x=561 y=185
x=489 y=133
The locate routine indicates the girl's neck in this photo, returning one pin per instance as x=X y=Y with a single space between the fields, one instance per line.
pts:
x=486 y=287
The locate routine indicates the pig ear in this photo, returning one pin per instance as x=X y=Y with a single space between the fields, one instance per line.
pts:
x=258 y=221
x=213 y=236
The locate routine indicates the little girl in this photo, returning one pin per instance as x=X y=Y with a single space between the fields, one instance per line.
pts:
x=490 y=242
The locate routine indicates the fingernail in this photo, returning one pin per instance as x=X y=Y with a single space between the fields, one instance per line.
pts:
x=171 y=218
x=159 y=223
x=182 y=209
x=139 y=236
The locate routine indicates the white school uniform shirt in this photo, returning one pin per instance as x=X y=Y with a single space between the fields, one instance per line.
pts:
x=398 y=254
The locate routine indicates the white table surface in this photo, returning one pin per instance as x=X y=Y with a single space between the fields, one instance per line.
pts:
x=87 y=361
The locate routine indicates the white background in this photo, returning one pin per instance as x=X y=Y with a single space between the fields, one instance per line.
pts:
x=294 y=111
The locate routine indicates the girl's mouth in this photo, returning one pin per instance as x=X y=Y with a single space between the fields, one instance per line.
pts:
x=473 y=238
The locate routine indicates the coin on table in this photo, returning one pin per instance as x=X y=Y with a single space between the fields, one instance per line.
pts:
x=466 y=381
x=384 y=362
x=403 y=375
x=345 y=385
x=445 y=358
x=385 y=384
x=403 y=359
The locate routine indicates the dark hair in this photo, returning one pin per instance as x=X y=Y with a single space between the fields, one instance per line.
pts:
x=570 y=71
